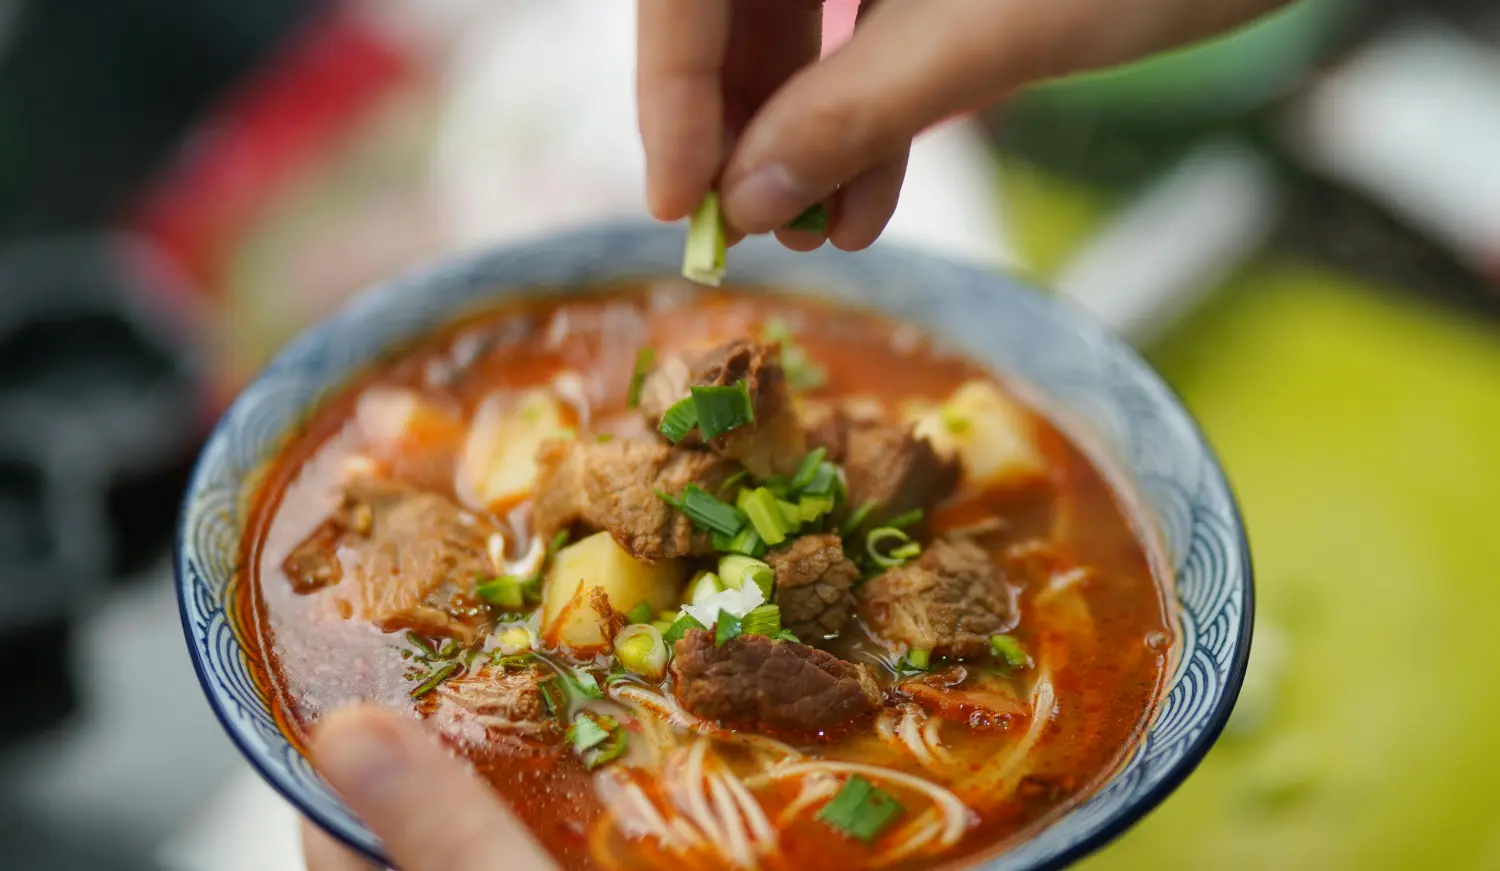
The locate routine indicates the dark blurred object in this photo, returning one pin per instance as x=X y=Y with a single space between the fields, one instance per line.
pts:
x=101 y=410
x=94 y=93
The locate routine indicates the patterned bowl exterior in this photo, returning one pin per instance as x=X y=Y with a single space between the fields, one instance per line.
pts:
x=1087 y=380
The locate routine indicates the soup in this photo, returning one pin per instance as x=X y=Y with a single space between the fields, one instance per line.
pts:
x=708 y=580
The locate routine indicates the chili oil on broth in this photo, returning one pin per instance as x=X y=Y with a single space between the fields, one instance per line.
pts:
x=1107 y=624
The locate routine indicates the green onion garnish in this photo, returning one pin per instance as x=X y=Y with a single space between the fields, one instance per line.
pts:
x=807 y=468
x=420 y=643
x=852 y=524
x=1009 y=650
x=787 y=635
x=680 y=628
x=736 y=569
x=596 y=738
x=860 y=810
x=765 y=515
x=898 y=540
x=641 y=613
x=814 y=219
x=906 y=519
x=679 y=420
x=917 y=659
x=762 y=620
x=645 y=358
x=558 y=542
x=801 y=372
x=725 y=628
x=728 y=485
x=746 y=541
x=709 y=512
x=813 y=507
x=953 y=420
x=514 y=660
x=791 y=514
x=823 y=481
x=703 y=258
x=721 y=409
x=508 y=591
x=585 y=684
x=433 y=680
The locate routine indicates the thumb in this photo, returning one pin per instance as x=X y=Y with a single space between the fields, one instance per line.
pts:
x=428 y=808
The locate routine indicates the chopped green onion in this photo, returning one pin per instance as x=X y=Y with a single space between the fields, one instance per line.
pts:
x=709 y=512
x=552 y=695
x=732 y=480
x=813 y=219
x=450 y=650
x=807 y=468
x=508 y=591
x=645 y=358
x=704 y=585
x=721 y=409
x=813 y=507
x=680 y=628
x=640 y=649
x=765 y=515
x=641 y=613
x=909 y=551
x=801 y=372
x=917 y=659
x=906 y=519
x=882 y=535
x=420 y=643
x=585 y=683
x=791 y=514
x=735 y=569
x=953 y=420
x=679 y=420
x=515 y=660
x=762 y=620
x=823 y=480
x=852 y=524
x=1009 y=650
x=747 y=542
x=558 y=542
x=597 y=739
x=703 y=258
x=725 y=628
x=787 y=635
x=434 y=680
x=779 y=485
x=860 y=810
x=662 y=626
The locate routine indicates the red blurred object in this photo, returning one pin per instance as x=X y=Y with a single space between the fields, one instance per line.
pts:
x=305 y=96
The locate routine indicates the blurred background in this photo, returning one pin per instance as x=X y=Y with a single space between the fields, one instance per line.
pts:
x=1299 y=224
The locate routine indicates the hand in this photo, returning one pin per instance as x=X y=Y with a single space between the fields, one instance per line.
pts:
x=732 y=94
x=427 y=807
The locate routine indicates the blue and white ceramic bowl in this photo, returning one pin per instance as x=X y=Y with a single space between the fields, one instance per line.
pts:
x=1088 y=381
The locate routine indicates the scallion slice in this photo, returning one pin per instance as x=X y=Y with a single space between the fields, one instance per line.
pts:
x=737 y=569
x=703 y=258
x=721 y=409
x=787 y=635
x=709 y=512
x=645 y=358
x=860 y=810
x=725 y=628
x=906 y=519
x=765 y=515
x=813 y=507
x=762 y=620
x=791 y=514
x=917 y=659
x=1009 y=651
x=726 y=488
x=641 y=613
x=585 y=683
x=854 y=521
x=747 y=542
x=597 y=739
x=801 y=372
x=807 y=468
x=434 y=680
x=890 y=540
x=679 y=420
x=680 y=628
x=813 y=219
x=508 y=592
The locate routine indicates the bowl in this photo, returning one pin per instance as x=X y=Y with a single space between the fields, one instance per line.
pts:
x=1091 y=384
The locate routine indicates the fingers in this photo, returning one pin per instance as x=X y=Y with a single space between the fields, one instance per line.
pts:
x=427 y=807
x=681 y=46
x=322 y=853
x=866 y=204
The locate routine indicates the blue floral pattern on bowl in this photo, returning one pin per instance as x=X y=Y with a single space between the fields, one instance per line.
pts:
x=1088 y=381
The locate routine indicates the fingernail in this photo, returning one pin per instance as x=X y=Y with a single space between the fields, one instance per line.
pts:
x=766 y=199
x=363 y=759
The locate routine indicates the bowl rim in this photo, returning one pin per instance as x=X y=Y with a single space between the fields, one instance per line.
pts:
x=447 y=269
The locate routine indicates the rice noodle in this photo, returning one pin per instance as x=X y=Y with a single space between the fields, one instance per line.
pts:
x=934 y=742
x=996 y=781
x=814 y=789
x=737 y=840
x=766 y=839
x=955 y=815
x=911 y=736
x=923 y=831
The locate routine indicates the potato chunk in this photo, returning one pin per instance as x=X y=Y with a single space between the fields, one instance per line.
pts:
x=573 y=615
x=498 y=465
x=992 y=436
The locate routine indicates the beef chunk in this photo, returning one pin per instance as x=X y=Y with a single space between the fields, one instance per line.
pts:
x=403 y=554
x=613 y=486
x=813 y=583
x=774 y=443
x=759 y=682
x=950 y=601
x=511 y=700
x=885 y=463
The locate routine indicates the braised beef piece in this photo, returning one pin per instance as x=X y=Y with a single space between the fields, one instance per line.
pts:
x=949 y=601
x=813 y=585
x=884 y=463
x=759 y=682
x=613 y=486
x=406 y=553
x=510 y=700
x=774 y=443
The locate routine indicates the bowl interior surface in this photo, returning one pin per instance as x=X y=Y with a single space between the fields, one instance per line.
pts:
x=1096 y=389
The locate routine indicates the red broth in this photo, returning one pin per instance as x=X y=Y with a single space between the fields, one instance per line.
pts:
x=1092 y=601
